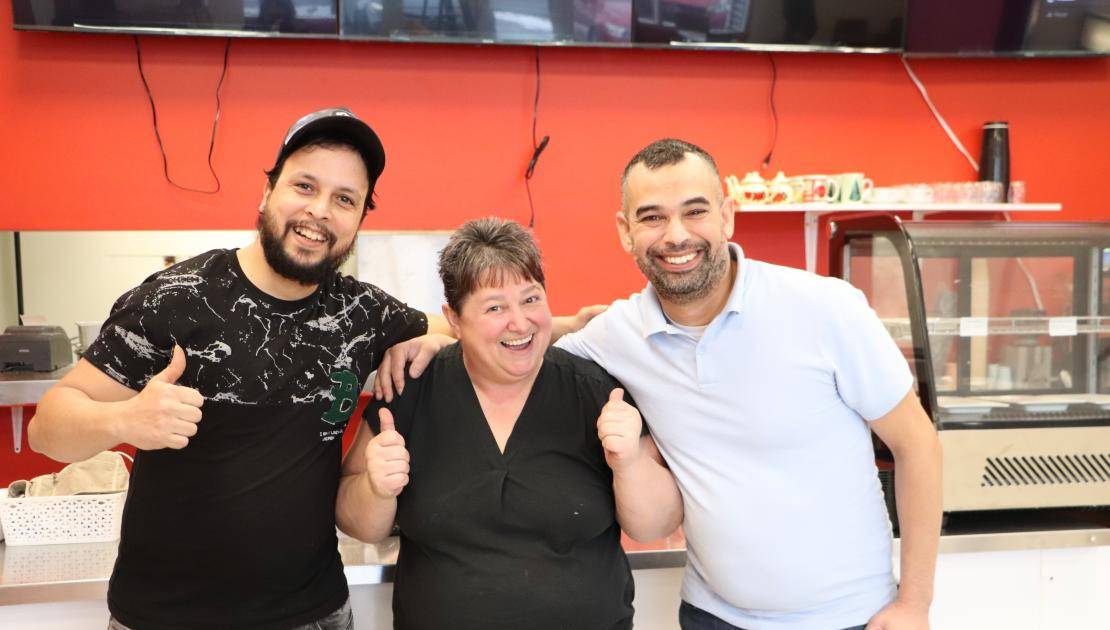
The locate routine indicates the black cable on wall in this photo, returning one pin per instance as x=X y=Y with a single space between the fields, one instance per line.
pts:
x=154 y=118
x=18 y=277
x=537 y=148
x=774 y=112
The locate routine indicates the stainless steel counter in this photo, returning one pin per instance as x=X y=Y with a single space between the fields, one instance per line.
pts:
x=19 y=389
x=27 y=388
x=57 y=573
x=45 y=573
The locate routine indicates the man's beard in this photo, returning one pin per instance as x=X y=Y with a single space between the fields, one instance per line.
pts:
x=308 y=274
x=690 y=286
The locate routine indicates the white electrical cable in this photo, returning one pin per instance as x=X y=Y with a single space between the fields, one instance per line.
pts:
x=975 y=165
x=1028 y=276
x=940 y=119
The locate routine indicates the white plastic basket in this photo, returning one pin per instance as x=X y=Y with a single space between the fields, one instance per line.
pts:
x=36 y=564
x=67 y=519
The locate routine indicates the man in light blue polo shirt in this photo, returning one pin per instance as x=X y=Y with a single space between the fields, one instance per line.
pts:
x=761 y=385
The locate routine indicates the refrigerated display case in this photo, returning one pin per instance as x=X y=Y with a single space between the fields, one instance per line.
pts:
x=1006 y=327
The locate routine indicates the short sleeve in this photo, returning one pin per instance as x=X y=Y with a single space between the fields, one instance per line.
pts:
x=403 y=408
x=581 y=343
x=396 y=321
x=871 y=373
x=597 y=386
x=136 y=341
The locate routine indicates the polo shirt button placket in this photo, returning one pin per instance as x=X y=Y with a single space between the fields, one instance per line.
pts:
x=699 y=364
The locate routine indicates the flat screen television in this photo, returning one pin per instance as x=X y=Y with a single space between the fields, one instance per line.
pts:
x=1008 y=27
x=584 y=22
x=258 y=18
x=841 y=25
x=919 y=27
x=848 y=25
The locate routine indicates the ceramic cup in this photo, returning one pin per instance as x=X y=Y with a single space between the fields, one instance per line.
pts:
x=854 y=187
x=815 y=188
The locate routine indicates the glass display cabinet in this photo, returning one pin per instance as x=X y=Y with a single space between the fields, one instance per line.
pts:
x=1006 y=327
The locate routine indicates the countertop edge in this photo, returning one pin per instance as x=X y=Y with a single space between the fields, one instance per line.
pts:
x=370 y=573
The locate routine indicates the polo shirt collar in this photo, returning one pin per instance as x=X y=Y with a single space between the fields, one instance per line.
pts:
x=651 y=310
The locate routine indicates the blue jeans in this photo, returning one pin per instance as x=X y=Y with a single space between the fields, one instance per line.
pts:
x=694 y=618
x=341 y=619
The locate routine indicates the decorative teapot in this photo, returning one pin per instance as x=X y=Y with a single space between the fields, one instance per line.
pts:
x=753 y=189
x=779 y=190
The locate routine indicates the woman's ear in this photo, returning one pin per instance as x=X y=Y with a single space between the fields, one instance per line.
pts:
x=452 y=319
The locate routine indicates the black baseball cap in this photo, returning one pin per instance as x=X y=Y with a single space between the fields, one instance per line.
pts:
x=342 y=123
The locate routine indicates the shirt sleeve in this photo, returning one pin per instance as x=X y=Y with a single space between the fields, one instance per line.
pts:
x=586 y=343
x=403 y=408
x=871 y=373
x=397 y=322
x=596 y=396
x=136 y=341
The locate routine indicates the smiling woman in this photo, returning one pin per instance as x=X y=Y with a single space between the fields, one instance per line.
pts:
x=500 y=462
x=496 y=304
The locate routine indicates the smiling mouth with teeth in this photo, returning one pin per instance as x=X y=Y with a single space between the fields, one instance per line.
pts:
x=518 y=343
x=311 y=234
x=679 y=260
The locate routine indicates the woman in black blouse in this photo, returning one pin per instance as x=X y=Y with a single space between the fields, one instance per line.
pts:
x=509 y=466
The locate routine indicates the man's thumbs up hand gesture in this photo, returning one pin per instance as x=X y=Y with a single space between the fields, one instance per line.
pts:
x=164 y=414
x=387 y=459
x=618 y=428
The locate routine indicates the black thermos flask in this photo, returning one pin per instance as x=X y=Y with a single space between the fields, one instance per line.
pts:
x=994 y=159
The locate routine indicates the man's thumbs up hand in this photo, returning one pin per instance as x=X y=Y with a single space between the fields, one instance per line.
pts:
x=618 y=428
x=164 y=414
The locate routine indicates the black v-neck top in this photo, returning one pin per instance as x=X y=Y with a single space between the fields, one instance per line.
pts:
x=523 y=539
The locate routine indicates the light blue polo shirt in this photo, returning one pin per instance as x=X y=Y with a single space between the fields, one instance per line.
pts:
x=762 y=421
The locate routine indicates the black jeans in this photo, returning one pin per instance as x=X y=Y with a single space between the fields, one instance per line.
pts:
x=694 y=618
x=341 y=619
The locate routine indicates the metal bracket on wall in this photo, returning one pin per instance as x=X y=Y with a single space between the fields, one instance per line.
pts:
x=17 y=428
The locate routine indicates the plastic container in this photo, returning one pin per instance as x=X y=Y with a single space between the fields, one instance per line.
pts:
x=67 y=519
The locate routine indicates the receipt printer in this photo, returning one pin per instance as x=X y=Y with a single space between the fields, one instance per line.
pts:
x=37 y=348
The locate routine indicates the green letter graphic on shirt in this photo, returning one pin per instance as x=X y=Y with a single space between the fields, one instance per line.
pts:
x=345 y=392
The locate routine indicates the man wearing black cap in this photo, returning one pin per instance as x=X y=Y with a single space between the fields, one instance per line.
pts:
x=234 y=374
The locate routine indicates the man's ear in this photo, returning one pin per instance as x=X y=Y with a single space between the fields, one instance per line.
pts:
x=266 y=190
x=624 y=231
x=729 y=207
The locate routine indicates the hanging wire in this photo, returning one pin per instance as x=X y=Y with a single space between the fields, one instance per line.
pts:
x=158 y=135
x=936 y=114
x=774 y=112
x=1029 y=279
x=537 y=148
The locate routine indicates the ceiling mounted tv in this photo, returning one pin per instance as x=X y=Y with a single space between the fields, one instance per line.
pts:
x=786 y=25
x=819 y=25
x=244 y=18
x=584 y=22
x=1017 y=28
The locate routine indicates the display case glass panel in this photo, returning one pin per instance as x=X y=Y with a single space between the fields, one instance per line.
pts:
x=1015 y=318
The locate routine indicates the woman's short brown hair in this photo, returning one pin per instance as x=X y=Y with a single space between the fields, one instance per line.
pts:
x=484 y=252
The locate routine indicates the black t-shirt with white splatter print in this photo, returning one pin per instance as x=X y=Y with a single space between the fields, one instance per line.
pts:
x=237 y=530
